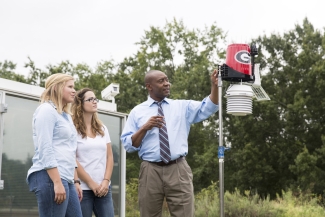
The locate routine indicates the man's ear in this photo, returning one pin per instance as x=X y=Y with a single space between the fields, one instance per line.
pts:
x=148 y=86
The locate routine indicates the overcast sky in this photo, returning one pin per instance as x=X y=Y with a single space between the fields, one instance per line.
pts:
x=50 y=31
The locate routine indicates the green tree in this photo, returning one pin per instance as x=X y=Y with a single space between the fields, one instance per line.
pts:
x=305 y=169
x=96 y=79
x=7 y=71
x=36 y=75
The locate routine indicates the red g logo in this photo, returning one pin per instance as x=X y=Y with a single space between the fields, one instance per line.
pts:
x=243 y=57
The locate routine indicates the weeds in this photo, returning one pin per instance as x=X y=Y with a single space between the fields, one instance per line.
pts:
x=239 y=205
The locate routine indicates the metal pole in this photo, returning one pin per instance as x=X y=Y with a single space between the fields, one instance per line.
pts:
x=221 y=149
x=122 y=175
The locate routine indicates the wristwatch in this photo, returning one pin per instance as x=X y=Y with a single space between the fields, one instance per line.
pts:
x=77 y=181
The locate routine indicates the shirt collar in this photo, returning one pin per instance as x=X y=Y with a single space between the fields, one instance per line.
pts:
x=151 y=101
x=52 y=104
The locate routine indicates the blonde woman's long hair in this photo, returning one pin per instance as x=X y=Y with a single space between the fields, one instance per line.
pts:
x=54 y=86
x=78 y=118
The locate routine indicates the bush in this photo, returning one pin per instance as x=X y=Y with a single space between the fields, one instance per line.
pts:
x=131 y=199
x=238 y=205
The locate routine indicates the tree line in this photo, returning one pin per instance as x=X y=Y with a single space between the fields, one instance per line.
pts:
x=280 y=146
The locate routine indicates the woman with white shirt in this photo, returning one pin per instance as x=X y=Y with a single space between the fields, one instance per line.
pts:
x=94 y=156
x=52 y=176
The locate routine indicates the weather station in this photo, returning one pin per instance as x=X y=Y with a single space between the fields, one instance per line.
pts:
x=245 y=86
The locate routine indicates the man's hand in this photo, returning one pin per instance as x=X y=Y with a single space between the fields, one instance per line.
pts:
x=214 y=87
x=214 y=77
x=154 y=121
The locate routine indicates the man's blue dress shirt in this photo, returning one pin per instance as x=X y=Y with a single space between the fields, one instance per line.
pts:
x=179 y=115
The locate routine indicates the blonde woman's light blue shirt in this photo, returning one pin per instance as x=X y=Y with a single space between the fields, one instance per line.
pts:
x=55 y=141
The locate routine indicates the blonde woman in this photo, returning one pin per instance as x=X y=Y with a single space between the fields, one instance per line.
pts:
x=94 y=156
x=52 y=176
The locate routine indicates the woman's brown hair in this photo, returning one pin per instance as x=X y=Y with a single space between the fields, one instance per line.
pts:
x=78 y=118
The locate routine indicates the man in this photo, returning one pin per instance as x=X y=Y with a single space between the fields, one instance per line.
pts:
x=158 y=129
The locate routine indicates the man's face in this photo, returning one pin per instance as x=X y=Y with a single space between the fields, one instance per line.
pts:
x=159 y=86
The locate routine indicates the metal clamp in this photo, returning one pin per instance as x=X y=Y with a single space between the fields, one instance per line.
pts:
x=3 y=108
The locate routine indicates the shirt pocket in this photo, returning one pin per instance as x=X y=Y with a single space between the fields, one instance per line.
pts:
x=176 y=123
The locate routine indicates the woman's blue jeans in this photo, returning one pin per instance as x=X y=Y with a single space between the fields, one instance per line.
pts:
x=102 y=206
x=41 y=184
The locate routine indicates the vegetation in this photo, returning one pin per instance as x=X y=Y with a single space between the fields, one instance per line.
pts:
x=238 y=205
x=278 y=152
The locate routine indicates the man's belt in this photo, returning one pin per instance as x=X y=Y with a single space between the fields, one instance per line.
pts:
x=161 y=163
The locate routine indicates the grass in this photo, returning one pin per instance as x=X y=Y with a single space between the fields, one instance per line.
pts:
x=238 y=205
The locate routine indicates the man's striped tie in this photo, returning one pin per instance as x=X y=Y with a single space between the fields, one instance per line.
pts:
x=163 y=138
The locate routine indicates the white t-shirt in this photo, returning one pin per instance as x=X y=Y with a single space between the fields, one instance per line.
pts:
x=91 y=154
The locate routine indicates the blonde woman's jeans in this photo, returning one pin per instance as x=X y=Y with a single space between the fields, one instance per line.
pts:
x=41 y=184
